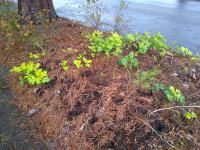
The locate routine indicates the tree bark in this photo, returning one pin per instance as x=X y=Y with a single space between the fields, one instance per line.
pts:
x=33 y=7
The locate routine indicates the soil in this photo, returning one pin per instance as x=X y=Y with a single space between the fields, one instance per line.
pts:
x=85 y=109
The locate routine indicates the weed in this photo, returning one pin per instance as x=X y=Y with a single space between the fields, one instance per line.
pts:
x=174 y=94
x=162 y=54
x=157 y=42
x=155 y=59
x=111 y=44
x=184 y=51
x=143 y=47
x=78 y=61
x=171 y=93
x=158 y=87
x=31 y=73
x=190 y=115
x=102 y=74
x=128 y=41
x=185 y=68
x=146 y=78
x=63 y=64
x=63 y=50
x=37 y=55
x=129 y=60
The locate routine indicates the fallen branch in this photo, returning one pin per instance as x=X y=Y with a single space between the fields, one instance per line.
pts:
x=174 y=108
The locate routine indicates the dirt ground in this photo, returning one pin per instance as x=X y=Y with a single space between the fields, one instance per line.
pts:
x=100 y=107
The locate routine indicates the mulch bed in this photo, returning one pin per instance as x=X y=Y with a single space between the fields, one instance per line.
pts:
x=85 y=109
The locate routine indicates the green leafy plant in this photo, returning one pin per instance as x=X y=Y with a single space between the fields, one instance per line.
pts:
x=158 y=87
x=87 y=62
x=162 y=54
x=37 y=55
x=129 y=60
x=158 y=42
x=155 y=59
x=190 y=115
x=111 y=44
x=102 y=74
x=78 y=61
x=146 y=78
x=128 y=40
x=31 y=73
x=146 y=41
x=171 y=93
x=187 y=52
x=174 y=94
x=184 y=51
x=195 y=57
x=185 y=68
x=143 y=47
x=63 y=50
x=63 y=64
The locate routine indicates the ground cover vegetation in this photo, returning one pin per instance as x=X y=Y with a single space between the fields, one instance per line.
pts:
x=98 y=90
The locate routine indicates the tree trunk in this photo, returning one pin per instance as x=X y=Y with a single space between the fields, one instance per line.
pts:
x=33 y=7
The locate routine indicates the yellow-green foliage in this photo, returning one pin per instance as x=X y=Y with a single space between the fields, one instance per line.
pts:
x=31 y=73
x=14 y=28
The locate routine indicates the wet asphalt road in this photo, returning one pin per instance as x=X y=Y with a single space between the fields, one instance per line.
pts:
x=176 y=20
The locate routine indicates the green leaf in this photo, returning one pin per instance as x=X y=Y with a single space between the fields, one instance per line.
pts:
x=87 y=65
x=65 y=68
x=43 y=54
x=37 y=81
x=21 y=81
x=30 y=55
x=123 y=62
x=190 y=115
x=36 y=56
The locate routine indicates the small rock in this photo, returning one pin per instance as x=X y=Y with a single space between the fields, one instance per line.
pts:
x=193 y=70
x=58 y=91
x=174 y=74
x=32 y=112
x=194 y=76
x=35 y=90
x=186 y=85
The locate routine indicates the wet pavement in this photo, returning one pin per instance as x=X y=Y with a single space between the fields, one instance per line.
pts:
x=177 y=20
x=13 y=133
